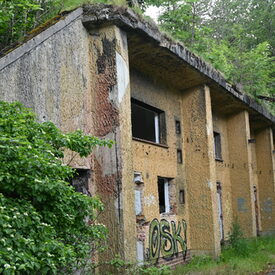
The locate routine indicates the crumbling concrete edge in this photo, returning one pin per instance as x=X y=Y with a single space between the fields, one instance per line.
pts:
x=38 y=39
x=125 y=18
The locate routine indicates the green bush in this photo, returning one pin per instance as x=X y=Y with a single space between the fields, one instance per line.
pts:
x=237 y=241
x=45 y=226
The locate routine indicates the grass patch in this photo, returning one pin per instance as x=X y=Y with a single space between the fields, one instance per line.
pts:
x=72 y=4
x=256 y=255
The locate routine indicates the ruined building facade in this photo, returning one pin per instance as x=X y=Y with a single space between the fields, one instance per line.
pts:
x=191 y=153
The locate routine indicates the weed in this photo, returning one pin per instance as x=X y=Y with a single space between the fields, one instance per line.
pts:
x=237 y=241
x=241 y=256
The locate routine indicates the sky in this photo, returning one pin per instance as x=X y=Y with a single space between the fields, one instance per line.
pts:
x=153 y=12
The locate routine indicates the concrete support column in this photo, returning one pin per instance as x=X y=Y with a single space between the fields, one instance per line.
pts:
x=266 y=179
x=241 y=174
x=200 y=172
x=111 y=116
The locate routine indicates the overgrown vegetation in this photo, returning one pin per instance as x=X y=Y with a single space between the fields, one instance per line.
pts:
x=235 y=36
x=45 y=226
x=240 y=256
x=119 y=266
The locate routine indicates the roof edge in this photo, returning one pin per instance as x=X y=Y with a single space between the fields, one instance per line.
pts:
x=18 y=52
x=125 y=17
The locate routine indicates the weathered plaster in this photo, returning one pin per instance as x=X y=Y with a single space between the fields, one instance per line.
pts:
x=113 y=169
x=241 y=174
x=200 y=169
x=223 y=171
x=155 y=161
x=266 y=179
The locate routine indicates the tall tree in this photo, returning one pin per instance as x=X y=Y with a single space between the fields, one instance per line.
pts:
x=236 y=36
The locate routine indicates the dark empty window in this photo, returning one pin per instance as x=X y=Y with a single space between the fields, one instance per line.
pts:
x=217 y=146
x=178 y=128
x=80 y=181
x=179 y=156
x=148 y=123
x=163 y=191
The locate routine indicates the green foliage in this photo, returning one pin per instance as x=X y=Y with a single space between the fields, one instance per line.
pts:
x=237 y=241
x=121 y=267
x=235 y=36
x=45 y=226
x=17 y=17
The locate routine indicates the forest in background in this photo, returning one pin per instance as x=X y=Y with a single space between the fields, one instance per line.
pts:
x=235 y=36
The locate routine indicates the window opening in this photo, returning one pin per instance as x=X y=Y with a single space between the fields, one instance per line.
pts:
x=138 y=177
x=178 y=127
x=148 y=123
x=220 y=212
x=182 y=196
x=163 y=191
x=179 y=155
x=80 y=181
x=217 y=146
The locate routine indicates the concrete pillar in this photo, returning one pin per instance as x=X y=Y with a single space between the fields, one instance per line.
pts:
x=200 y=172
x=241 y=174
x=266 y=179
x=111 y=116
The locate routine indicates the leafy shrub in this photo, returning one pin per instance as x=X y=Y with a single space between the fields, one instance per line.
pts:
x=237 y=241
x=45 y=226
x=119 y=266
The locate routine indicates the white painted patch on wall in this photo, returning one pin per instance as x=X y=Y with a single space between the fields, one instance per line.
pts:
x=122 y=77
x=138 y=206
x=209 y=184
x=149 y=200
x=140 y=252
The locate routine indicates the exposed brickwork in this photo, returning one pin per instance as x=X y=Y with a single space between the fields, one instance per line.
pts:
x=106 y=184
x=141 y=232
x=179 y=259
x=106 y=114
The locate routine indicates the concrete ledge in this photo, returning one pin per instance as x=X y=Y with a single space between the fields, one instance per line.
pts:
x=125 y=18
x=38 y=39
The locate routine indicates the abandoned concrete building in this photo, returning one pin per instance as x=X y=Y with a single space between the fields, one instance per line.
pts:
x=191 y=152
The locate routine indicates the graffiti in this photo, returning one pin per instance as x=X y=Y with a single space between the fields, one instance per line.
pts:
x=164 y=238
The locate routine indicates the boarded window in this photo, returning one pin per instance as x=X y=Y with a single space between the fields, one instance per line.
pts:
x=148 y=123
x=163 y=192
x=217 y=146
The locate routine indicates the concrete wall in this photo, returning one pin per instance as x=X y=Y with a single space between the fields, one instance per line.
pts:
x=81 y=81
x=113 y=175
x=266 y=179
x=223 y=169
x=200 y=171
x=241 y=175
x=155 y=160
x=54 y=80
